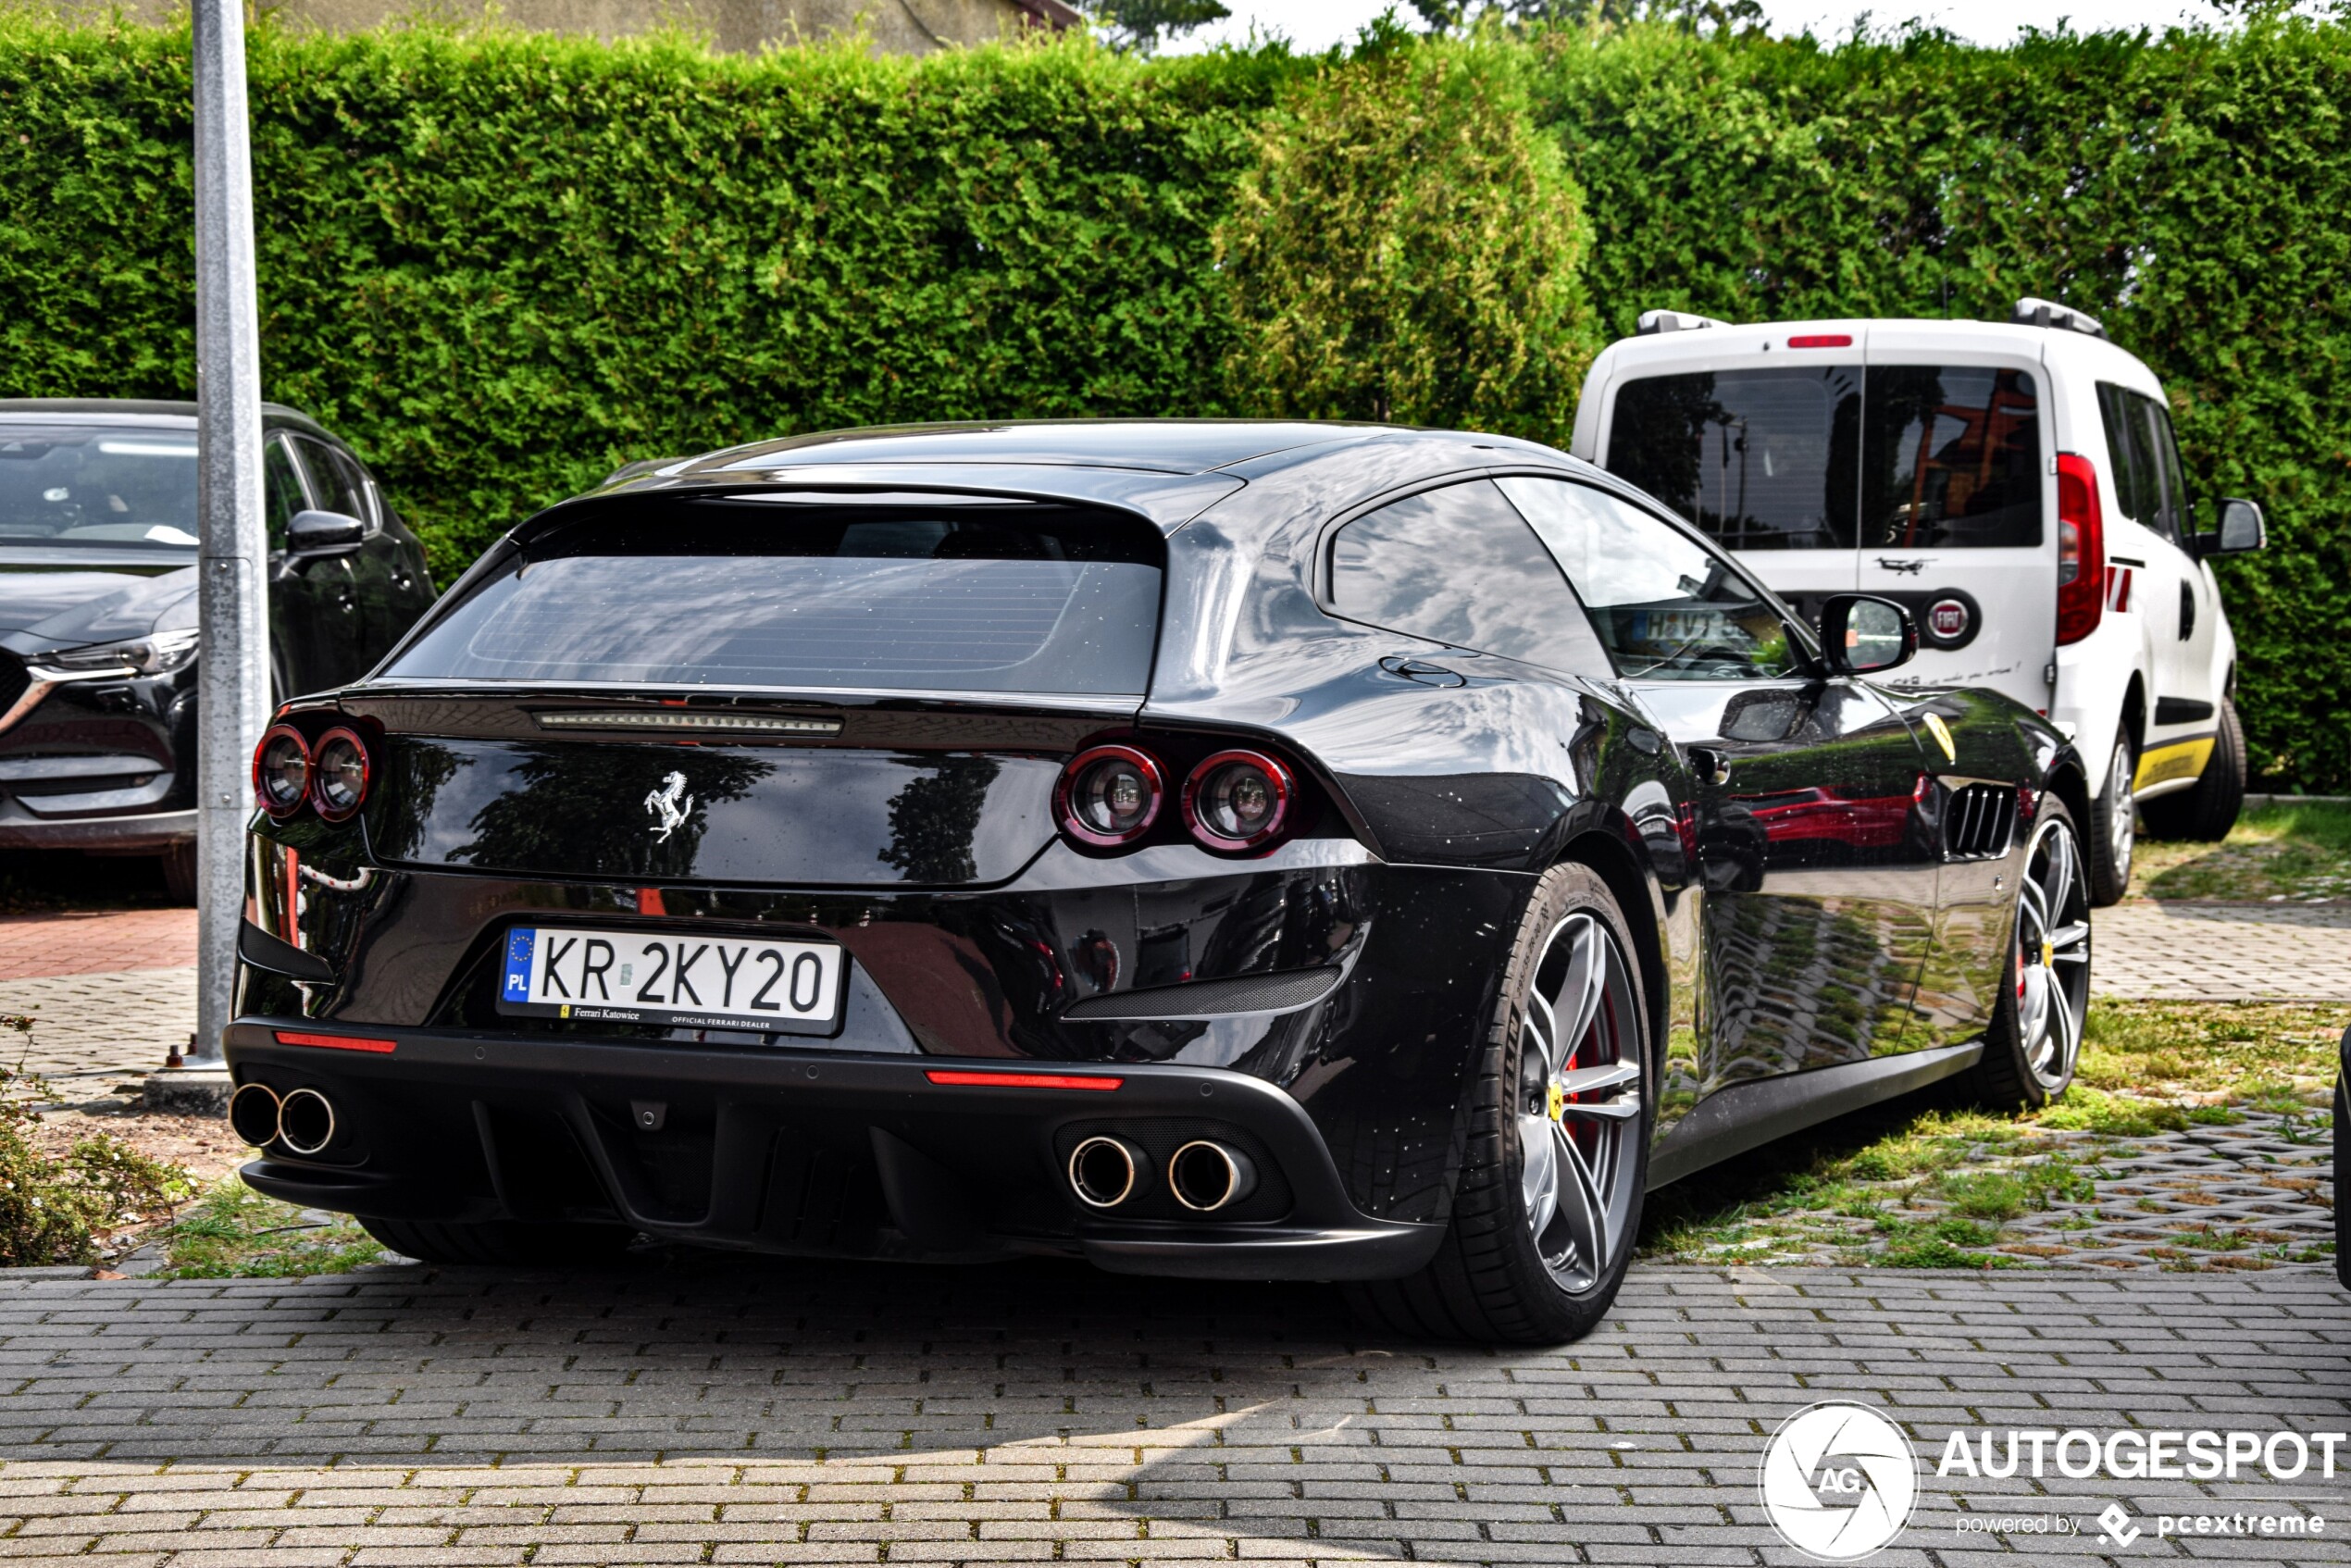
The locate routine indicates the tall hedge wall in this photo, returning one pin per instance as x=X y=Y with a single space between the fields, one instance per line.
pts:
x=501 y=263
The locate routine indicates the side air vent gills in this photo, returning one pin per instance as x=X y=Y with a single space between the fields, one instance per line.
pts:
x=1978 y=821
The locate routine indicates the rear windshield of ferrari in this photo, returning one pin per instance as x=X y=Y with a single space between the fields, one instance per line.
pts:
x=914 y=594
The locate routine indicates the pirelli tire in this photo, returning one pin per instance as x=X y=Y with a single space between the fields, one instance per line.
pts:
x=2205 y=813
x=512 y=1243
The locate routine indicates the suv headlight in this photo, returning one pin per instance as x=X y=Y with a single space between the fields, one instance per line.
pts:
x=157 y=653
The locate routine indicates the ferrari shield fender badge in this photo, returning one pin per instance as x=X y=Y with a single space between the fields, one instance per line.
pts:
x=671 y=805
x=1934 y=726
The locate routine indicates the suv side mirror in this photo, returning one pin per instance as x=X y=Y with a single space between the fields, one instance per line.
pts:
x=2241 y=528
x=1861 y=634
x=323 y=533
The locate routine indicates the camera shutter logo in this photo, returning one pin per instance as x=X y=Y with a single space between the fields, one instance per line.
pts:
x=1838 y=1481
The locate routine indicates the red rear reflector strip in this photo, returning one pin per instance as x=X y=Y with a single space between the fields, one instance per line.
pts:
x=1021 y=1080
x=337 y=1042
x=1821 y=340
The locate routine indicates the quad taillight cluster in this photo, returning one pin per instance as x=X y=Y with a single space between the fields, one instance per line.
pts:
x=1233 y=801
x=329 y=775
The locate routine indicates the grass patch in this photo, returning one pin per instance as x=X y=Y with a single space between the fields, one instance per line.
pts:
x=2285 y=852
x=56 y=1209
x=2146 y=1068
x=235 y=1233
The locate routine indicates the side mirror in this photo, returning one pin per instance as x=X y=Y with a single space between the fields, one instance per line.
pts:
x=1861 y=634
x=2241 y=528
x=323 y=533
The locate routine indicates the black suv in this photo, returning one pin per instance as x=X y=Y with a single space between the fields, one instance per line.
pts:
x=98 y=610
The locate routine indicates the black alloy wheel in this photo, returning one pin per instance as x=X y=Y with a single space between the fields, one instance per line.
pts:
x=1548 y=1198
x=2034 y=1041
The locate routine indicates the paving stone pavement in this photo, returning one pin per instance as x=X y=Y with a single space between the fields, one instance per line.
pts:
x=740 y=1410
x=90 y=1029
x=93 y=941
x=2184 y=951
x=2255 y=1194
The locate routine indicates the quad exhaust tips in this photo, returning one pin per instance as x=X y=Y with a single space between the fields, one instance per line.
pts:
x=303 y=1121
x=1206 y=1177
x=1102 y=1172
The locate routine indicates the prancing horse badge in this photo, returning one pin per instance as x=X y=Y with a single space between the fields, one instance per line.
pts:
x=670 y=805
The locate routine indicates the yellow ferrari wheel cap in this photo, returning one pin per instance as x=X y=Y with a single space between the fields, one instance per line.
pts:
x=1555 y=1102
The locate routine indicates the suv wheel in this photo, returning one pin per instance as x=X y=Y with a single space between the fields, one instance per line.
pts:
x=1550 y=1197
x=2206 y=812
x=2035 y=1042
x=2114 y=825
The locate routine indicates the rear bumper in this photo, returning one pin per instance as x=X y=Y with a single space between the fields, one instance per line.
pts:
x=808 y=1151
x=157 y=830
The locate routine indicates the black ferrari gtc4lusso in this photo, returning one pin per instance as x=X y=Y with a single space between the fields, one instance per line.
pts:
x=1262 y=851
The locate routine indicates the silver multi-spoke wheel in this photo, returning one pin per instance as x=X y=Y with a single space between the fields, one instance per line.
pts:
x=2122 y=827
x=2052 y=954
x=1579 y=1103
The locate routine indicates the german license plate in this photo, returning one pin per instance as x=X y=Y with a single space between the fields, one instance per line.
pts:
x=657 y=977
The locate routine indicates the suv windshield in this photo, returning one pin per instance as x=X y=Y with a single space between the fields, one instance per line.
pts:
x=945 y=594
x=118 y=485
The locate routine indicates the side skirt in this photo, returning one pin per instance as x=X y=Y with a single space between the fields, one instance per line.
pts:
x=1743 y=1116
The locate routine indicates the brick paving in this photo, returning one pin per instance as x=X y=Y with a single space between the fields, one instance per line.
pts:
x=97 y=941
x=683 y=1409
x=90 y=1029
x=2183 y=952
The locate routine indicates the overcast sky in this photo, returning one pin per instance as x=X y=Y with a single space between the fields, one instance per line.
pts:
x=1317 y=24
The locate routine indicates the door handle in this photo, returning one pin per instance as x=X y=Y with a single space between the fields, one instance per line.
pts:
x=1711 y=765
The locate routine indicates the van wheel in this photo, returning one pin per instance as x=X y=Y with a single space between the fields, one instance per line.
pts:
x=511 y=1242
x=1550 y=1197
x=2113 y=827
x=2206 y=812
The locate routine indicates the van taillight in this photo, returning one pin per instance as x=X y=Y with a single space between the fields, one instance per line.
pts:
x=2080 y=595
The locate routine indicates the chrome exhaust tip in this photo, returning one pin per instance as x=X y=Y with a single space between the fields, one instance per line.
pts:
x=306 y=1121
x=1103 y=1171
x=1206 y=1177
x=253 y=1115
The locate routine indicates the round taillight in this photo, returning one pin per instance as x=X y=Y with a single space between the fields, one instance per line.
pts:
x=339 y=774
x=1237 y=800
x=1109 y=795
x=281 y=771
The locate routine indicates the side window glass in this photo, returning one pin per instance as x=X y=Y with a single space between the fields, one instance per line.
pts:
x=2178 y=505
x=2122 y=454
x=1950 y=458
x=1664 y=606
x=1458 y=565
x=1754 y=459
x=281 y=494
x=335 y=479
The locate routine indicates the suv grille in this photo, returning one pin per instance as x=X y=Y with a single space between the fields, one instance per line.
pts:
x=1979 y=820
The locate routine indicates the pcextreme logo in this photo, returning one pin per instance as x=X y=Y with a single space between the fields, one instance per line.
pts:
x=1838 y=1481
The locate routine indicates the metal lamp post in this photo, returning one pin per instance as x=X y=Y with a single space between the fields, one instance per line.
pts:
x=233 y=678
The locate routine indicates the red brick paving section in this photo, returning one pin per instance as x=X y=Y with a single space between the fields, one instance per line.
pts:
x=97 y=942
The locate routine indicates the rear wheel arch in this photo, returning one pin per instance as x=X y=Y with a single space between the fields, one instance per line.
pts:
x=2066 y=782
x=2135 y=714
x=1643 y=905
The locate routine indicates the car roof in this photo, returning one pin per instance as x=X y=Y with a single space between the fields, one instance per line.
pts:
x=141 y=411
x=1169 y=470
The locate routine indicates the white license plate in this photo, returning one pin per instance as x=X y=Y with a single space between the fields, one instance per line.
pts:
x=657 y=977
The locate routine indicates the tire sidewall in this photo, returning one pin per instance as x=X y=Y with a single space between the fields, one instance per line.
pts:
x=2007 y=1035
x=1563 y=890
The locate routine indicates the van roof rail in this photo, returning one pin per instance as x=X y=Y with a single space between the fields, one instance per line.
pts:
x=2031 y=312
x=1655 y=321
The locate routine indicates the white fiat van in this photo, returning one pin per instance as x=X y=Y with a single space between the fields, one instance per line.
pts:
x=2015 y=484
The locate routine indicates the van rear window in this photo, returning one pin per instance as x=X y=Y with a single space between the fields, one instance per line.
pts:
x=1899 y=456
x=955 y=593
x=1758 y=459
